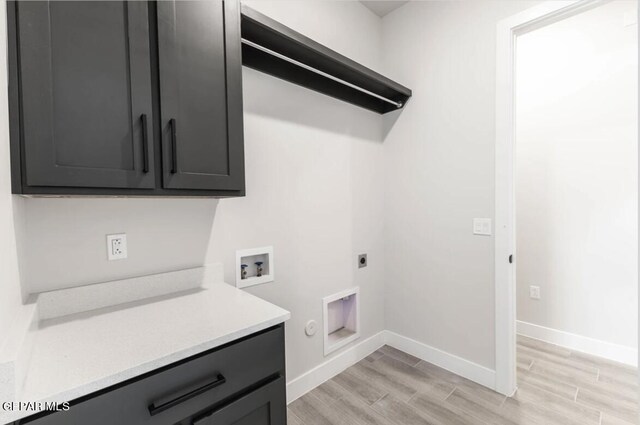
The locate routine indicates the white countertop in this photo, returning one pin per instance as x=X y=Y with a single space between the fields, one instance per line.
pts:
x=78 y=354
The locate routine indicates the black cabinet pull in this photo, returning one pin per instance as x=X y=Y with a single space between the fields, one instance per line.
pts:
x=145 y=144
x=155 y=409
x=174 y=148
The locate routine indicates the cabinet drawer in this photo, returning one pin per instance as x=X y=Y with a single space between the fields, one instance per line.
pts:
x=179 y=392
x=264 y=406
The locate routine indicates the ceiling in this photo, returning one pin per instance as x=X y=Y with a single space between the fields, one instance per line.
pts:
x=383 y=7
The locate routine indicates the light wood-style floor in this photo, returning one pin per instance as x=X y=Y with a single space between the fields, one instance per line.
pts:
x=555 y=386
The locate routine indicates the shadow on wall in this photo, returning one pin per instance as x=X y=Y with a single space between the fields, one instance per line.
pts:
x=389 y=120
x=19 y=229
x=63 y=240
x=281 y=100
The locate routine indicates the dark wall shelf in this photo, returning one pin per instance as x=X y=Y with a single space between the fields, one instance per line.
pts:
x=272 y=48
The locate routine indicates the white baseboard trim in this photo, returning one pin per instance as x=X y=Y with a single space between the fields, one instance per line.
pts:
x=608 y=350
x=304 y=383
x=465 y=368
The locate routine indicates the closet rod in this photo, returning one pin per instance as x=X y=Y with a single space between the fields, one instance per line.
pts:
x=317 y=71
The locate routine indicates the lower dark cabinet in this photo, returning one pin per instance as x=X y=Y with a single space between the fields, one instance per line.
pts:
x=239 y=383
x=264 y=406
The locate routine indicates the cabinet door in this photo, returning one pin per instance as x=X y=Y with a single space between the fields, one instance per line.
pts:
x=264 y=406
x=85 y=81
x=201 y=94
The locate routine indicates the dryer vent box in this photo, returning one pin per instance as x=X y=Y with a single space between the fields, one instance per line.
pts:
x=341 y=319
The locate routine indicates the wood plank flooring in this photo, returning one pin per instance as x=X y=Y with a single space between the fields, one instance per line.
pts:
x=556 y=386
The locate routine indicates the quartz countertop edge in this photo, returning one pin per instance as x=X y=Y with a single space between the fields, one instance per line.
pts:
x=138 y=370
x=233 y=314
x=141 y=369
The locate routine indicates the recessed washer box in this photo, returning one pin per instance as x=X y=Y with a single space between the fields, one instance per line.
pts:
x=250 y=257
x=341 y=319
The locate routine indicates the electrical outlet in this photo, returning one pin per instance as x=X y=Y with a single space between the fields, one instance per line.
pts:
x=534 y=292
x=117 y=246
x=362 y=261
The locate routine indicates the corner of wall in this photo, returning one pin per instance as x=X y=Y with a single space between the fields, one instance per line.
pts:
x=10 y=295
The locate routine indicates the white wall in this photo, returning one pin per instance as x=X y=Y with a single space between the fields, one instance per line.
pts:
x=314 y=183
x=10 y=293
x=577 y=175
x=321 y=188
x=439 y=166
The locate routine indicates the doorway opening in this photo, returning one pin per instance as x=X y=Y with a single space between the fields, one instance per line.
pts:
x=567 y=196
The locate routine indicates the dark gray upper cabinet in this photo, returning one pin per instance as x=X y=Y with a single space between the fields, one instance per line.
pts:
x=126 y=98
x=201 y=150
x=86 y=90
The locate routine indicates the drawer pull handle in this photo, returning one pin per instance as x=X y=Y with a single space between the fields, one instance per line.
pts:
x=145 y=144
x=174 y=146
x=155 y=409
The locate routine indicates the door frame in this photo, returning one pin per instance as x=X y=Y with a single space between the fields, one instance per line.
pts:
x=505 y=225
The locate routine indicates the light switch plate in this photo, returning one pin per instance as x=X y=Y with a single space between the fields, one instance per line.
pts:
x=482 y=226
x=117 y=246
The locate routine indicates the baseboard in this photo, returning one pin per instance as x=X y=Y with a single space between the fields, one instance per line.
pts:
x=615 y=352
x=465 y=368
x=304 y=383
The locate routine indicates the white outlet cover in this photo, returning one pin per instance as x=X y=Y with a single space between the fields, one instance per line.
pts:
x=534 y=292
x=311 y=328
x=117 y=246
x=482 y=226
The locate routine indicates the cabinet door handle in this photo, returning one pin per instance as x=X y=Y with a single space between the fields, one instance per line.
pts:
x=145 y=144
x=174 y=148
x=161 y=406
